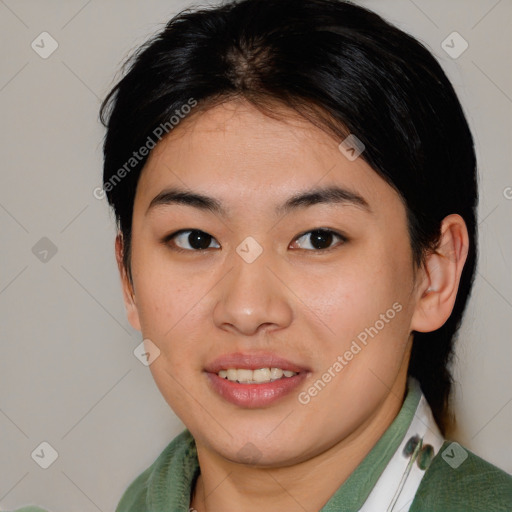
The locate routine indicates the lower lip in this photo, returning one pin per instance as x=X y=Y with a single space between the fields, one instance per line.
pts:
x=254 y=395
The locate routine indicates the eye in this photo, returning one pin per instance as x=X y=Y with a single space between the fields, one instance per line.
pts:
x=321 y=239
x=196 y=239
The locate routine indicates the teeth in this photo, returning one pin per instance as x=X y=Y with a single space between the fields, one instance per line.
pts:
x=261 y=375
x=245 y=376
x=276 y=373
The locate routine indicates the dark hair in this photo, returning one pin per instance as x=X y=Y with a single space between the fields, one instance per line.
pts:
x=343 y=68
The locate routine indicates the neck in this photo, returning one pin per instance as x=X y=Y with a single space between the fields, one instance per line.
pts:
x=227 y=486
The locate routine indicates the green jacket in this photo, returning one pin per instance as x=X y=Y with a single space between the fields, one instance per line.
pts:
x=451 y=482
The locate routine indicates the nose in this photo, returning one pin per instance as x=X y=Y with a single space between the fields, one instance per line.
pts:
x=252 y=297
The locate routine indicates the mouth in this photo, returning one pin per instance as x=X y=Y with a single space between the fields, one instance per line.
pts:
x=254 y=380
x=259 y=376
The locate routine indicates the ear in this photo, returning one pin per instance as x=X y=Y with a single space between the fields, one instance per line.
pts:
x=128 y=292
x=440 y=276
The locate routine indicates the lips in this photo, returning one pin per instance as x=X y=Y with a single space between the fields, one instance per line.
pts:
x=253 y=362
x=254 y=395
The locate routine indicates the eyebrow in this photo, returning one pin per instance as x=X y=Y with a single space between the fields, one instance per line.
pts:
x=321 y=195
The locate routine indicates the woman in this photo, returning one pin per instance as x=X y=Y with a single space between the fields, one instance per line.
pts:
x=306 y=346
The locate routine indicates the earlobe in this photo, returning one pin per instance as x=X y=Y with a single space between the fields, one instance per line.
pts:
x=442 y=271
x=128 y=292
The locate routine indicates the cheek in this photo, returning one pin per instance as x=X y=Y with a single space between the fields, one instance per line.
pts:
x=352 y=295
x=369 y=314
x=168 y=300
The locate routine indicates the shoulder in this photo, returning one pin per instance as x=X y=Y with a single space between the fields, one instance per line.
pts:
x=181 y=448
x=459 y=480
x=177 y=461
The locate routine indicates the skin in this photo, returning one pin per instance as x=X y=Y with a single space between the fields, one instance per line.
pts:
x=303 y=304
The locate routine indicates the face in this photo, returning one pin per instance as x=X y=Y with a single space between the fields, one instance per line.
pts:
x=252 y=279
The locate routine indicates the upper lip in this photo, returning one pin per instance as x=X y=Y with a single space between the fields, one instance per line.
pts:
x=252 y=362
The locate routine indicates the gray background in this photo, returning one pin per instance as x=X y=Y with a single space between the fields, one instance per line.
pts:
x=68 y=373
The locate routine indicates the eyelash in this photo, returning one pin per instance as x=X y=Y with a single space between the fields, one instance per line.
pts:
x=173 y=247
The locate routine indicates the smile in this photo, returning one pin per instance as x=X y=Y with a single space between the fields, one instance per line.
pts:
x=259 y=376
x=254 y=380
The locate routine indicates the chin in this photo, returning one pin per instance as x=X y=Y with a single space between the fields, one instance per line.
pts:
x=258 y=448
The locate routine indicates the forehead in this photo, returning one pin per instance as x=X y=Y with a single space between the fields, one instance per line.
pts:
x=235 y=152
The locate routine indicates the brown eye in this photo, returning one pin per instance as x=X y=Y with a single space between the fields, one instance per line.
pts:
x=191 y=240
x=320 y=239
